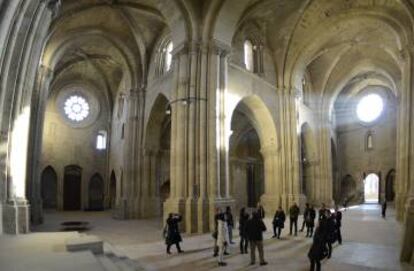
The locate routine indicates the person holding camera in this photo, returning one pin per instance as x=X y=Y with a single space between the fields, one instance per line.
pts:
x=173 y=232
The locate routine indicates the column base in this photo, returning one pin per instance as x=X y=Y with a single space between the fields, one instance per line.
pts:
x=202 y=215
x=407 y=251
x=270 y=204
x=120 y=210
x=289 y=199
x=16 y=215
x=36 y=211
x=191 y=215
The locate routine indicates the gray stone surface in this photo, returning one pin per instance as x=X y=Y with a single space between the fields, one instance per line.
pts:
x=82 y=243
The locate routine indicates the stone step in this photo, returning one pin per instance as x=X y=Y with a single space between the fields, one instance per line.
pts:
x=89 y=242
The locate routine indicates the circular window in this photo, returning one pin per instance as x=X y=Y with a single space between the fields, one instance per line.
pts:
x=369 y=108
x=76 y=108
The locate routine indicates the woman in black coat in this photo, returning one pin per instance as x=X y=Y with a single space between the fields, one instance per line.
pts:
x=173 y=233
x=278 y=222
x=244 y=242
x=310 y=221
x=318 y=250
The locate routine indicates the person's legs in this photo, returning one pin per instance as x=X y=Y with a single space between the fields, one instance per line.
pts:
x=290 y=226
x=274 y=230
x=261 y=252
x=339 y=236
x=329 y=250
x=168 y=248
x=295 y=223
x=221 y=254
x=246 y=243
x=279 y=231
x=252 y=252
x=216 y=249
x=318 y=265
x=312 y=266
x=303 y=225
x=231 y=234
x=178 y=247
x=241 y=244
x=310 y=231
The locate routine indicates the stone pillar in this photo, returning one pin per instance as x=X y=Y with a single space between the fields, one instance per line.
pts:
x=406 y=162
x=272 y=178
x=325 y=165
x=290 y=156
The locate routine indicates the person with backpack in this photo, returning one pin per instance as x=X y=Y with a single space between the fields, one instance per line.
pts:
x=173 y=236
x=243 y=218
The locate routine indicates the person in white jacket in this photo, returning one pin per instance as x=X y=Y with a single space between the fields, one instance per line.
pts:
x=222 y=238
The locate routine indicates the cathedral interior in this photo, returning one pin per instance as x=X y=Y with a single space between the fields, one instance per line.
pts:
x=134 y=109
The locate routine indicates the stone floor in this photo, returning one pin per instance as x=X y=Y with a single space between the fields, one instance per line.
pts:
x=370 y=243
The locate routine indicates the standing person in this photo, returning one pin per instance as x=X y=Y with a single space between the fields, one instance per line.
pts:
x=216 y=218
x=293 y=217
x=330 y=231
x=384 y=208
x=222 y=238
x=255 y=228
x=278 y=222
x=322 y=211
x=305 y=214
x=317 y=251
x=260 y=210
x=173 y=233
x=230 y=223
x=338 y=219
x=243 y=218
x=310 y=221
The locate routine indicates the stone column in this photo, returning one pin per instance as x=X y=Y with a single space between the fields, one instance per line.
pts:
x=272 y=178
x=407 y=251
x=290 y=156
x=23 y=47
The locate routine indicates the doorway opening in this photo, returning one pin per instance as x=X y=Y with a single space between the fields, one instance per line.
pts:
x=371 y=188
x=96 y=193
x=72 y=188
x=49 y=188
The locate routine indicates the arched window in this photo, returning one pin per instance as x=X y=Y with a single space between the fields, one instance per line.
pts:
x=101 y=140
x=168 y=56
x=369 y=141
x=248 y=55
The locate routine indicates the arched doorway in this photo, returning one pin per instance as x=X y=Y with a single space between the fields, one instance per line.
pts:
x=157 y=157
x=112 y=190
x=371 y=188
x=49 y=188
x=389 y=186
x=96 y=193
x=165 y=191
x=72 y=188
x=246 y=163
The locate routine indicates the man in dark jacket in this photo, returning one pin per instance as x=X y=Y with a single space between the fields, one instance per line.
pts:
x=293 y=217
x=310 y=221
x=230 y=223
x=305 y=214
x=173 y=233
x=254 y=229
x=318 y=250
x=338 y=219
x=278 y=222
x=330 y=231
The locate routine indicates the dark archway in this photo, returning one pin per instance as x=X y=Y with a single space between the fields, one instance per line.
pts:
x=389 y=185
x=49 y=188
x=165 y=191
x=96 y=193
x=246 y=161
x=112 y=190
x=72 y=188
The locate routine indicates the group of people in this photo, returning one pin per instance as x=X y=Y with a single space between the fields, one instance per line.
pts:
x=328 y=231
x=251 y=228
